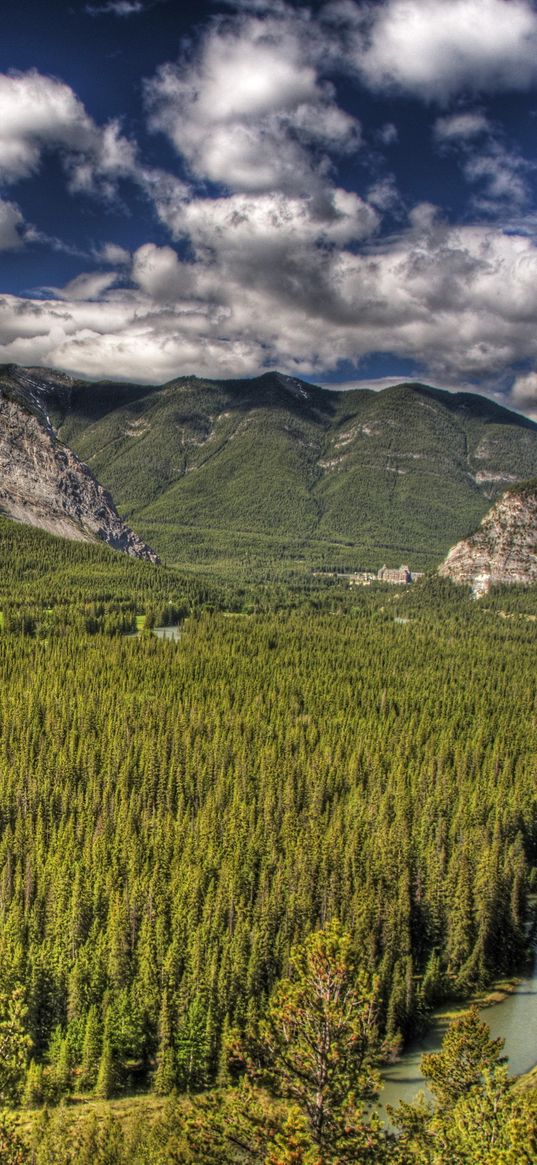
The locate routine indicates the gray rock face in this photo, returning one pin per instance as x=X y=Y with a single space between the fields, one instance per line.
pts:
x=44 y=484
x=503 y=549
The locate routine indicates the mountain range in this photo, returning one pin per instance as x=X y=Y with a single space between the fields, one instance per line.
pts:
x=276 y=472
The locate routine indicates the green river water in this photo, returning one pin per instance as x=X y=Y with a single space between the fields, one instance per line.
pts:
x=515 y=1020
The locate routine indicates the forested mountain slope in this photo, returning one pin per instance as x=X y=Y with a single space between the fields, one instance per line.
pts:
x=276 y=470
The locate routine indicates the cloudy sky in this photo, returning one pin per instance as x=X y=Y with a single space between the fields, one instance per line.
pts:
x=345 y=190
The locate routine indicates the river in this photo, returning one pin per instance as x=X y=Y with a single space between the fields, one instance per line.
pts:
x=515 y=1019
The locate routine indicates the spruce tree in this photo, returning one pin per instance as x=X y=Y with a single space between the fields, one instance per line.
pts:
x=165 y=1075
x=107 y=1076
x=34 y=1088
x=91 y=1051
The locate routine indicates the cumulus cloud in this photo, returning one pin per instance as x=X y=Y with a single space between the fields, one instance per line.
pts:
x=160 y=274
x=459 y=302
x=40 y=114
x=524 y=394
x=249 y=111
x=384 y=194
x=276 y=263
x=32 y=234
x=37 y=113
x=269 y=223
x=503 y=178
x=437 y=48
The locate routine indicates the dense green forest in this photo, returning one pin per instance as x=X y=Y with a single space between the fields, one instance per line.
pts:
x=176 y=816
x=301 y=1089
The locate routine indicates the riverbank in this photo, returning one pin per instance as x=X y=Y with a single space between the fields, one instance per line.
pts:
x=509 y=1007
x=491 y=996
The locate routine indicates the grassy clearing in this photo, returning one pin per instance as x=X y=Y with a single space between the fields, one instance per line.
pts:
x=78 y=1108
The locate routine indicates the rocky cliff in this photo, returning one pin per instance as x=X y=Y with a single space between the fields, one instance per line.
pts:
x=43 y=483
x=504 y=548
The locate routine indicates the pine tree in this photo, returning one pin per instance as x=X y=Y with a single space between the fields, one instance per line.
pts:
x=91 y=1050
x=62 y=1070
x=193 y=1048
x=467 y=1053
x=165 y=1075
x=317 y=1042
x=107 y=1076
x=34 y=1088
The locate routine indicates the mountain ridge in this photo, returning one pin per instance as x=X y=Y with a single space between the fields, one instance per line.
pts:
x=274 y=470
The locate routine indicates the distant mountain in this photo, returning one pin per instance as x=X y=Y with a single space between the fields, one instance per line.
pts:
x=504 y=548
x=276 y=471
x=44 y=484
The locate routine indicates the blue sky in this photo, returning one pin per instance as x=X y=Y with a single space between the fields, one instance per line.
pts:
x=345 y=191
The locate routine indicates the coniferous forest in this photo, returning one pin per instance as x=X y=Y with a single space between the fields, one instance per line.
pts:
x=182 y=823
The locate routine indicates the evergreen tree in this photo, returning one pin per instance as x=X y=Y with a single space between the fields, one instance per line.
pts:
x=34 y=1089
x=316 y=1046
x=107 y=1076
x=165 y=1075
x=479 y=1117
x=467 y=1053
x=91 y=1050
x=193 y=1048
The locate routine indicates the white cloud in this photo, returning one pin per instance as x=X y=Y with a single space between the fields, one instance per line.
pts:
x=461 y=126
x=51 y=242
x=160 y=274
x=524 y=394
x=503 y=177
x=459 y=302
x=388 y=134
x=249 y=111
x=500 y=173
x=39 y=114
x=281 y=267
x=384 y=194
x=11 y=222
x=436 y=48
x=86 y=286
x=112 y=253
x=270 y=223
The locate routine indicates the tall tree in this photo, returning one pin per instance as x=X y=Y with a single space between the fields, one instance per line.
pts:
x=467 y=1053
